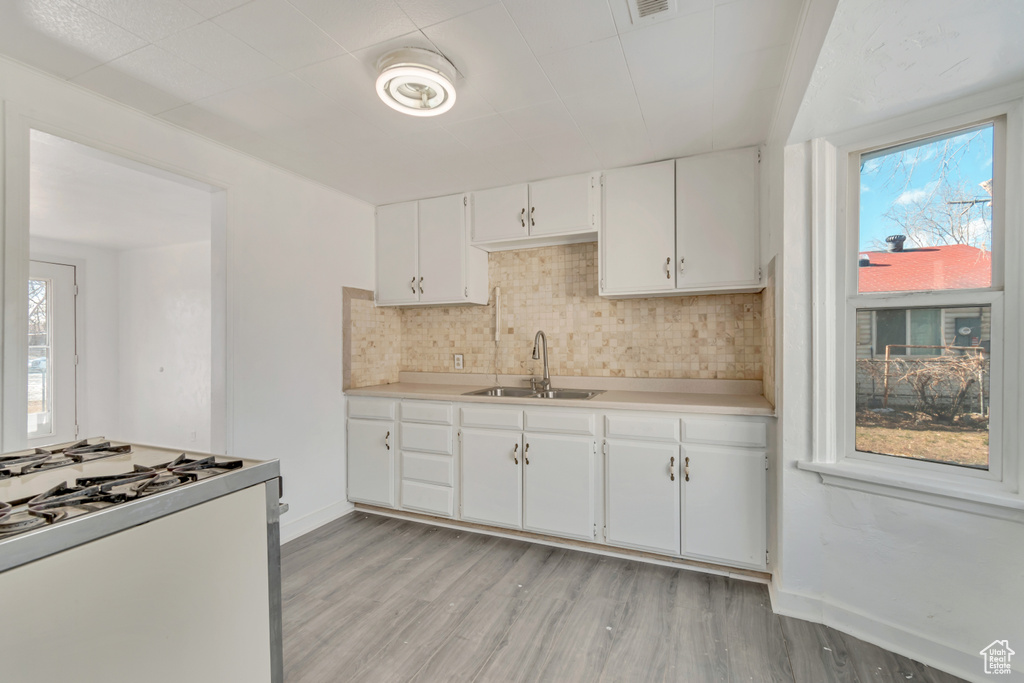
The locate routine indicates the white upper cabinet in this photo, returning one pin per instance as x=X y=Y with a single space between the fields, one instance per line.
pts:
x=555 y=211
x=717 y=209
x=637 y=237
x=397 y=254
x=424 y=256
x=563 y=205
x=500 y=214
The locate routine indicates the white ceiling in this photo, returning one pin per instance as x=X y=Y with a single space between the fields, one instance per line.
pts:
x=547 y=87
x=82 y=195
x=883 y=58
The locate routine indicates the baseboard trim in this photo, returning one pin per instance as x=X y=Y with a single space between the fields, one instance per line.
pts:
x=293 y=528
x=596 y=548
x=842 y=617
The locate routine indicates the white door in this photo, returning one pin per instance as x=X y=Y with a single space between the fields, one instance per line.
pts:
x=371 y=462
x=561 y=205
x=492 y=485
x=723 y=513
x=442 y=238
x=638 y=232
x=500 y=214
x=52 y=360
x=717 y=214
x=558 y=485
x=643 y=496
x=397 y=254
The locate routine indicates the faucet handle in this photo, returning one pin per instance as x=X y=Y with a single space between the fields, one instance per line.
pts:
x=533 y=384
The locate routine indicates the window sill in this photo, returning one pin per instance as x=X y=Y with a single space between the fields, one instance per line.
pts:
x=870 y=478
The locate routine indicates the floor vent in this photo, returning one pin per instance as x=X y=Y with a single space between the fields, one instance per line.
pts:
x=647 y=11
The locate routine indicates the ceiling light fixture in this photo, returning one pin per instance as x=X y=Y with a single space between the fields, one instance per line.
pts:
x=416 y=82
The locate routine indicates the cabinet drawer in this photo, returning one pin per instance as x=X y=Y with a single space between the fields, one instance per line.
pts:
x=430 y=469
x=424 y=411
x=560 y=421
x=493 y=418
x=648 y=428
x=727 y=432
x=436 y=500
x=429 y=438
x=371 y=408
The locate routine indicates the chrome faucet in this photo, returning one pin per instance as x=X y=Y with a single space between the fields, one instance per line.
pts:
x=545 y=383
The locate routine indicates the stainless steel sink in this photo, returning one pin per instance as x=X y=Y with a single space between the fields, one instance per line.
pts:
x=576 y=394
x=512 y=392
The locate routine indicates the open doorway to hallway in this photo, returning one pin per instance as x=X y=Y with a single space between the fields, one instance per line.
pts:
x=137 y=355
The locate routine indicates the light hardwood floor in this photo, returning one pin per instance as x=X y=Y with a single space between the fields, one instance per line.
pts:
x=371 y=598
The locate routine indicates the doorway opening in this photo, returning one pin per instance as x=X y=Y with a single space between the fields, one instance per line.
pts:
x=126 y=301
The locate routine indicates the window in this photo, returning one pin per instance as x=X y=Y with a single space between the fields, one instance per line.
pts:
x=923 y=297
x=40 y=377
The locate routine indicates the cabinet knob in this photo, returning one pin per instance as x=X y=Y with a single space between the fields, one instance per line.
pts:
x=386 y=444
x=682 y=265
x=531 y=215
x=522 y=217
x=672 y=468
x=515 y=451
x=412 y=284
x=668 y=268
x=421 y=285
x=525 y=451
x=686 y=469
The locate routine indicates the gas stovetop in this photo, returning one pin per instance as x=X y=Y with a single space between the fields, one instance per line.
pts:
x=41 y=487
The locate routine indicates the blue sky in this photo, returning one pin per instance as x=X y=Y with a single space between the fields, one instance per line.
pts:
x=880 y=188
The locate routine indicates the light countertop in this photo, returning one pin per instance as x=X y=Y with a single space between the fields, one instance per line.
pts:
x=721 y=397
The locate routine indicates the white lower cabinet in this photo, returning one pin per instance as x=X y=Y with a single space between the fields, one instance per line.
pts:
x=371 y=461
x=642 y=495
x=558 y=485
x=723 y=511
x=492 y=484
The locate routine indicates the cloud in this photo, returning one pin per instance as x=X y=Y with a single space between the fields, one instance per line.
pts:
x=864 y=188
x=917 y=194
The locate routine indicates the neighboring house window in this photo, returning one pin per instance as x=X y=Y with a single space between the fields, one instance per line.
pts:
x=923 y=294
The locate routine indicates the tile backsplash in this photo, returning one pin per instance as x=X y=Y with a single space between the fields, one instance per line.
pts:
x=555 y=289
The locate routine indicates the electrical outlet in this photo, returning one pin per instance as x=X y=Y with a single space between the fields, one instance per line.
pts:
x=458 y=361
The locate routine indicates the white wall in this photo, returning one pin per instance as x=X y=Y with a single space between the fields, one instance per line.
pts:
x=96 y=272
x=931 y=583
x=291 y=246
x=165 y=322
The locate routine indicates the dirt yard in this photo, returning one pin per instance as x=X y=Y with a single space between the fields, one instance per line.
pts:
x=915 y=435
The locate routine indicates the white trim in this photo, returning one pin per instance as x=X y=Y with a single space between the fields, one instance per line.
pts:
x=846 y=618
x=314 y=520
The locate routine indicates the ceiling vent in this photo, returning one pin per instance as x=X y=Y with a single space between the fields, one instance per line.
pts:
x=650 y=11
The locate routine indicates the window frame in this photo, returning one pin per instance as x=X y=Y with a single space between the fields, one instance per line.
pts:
x=834 y=225
x=851 y=300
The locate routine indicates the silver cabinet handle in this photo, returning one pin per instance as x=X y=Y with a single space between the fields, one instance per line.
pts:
x=668 y=268
x=531 y=215
x=522 y=217
x=672 y=468
x=515 y=452
x=386 y=444
x=525 y=451
x=686 y=469
x=412 y=284
x=421 y=285
x=682 y=265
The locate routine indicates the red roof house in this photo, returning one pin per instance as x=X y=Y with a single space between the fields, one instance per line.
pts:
x=953 y=266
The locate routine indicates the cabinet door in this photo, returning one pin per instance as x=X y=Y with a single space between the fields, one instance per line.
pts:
x=717 y=218
x=500 y=214
x=642 y=496
x=724 y=509
x=561 y=205
x=558 y=485
x=442 y=239
x=492 y=485
x=371 y=462
x=638 y=241
x=396 y=254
